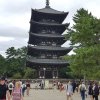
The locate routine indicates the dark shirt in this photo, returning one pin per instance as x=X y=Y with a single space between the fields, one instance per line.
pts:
x=3 y=90
x=90 y=90
x=28 y=85
x=96 y=90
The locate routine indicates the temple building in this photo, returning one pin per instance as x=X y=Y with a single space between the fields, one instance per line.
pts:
x=45 y=40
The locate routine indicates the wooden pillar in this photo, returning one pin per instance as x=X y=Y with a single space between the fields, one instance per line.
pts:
x=39 y=74
x=53 y=74
x=57 y=74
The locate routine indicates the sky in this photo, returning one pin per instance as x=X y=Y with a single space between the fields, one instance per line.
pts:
x=15 y=16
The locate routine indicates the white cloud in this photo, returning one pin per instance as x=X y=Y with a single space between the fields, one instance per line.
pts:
x=5 y=39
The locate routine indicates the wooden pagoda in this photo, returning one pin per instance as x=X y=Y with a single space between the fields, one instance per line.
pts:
x=45 y=40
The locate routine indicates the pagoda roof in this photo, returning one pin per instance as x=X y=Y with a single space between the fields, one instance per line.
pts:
x=36 y=50
x=50 y=48
x=47 y=61
x=49 y=10
x=40 y=14
x=35 y=26
x=47 y=35
x=50 y=24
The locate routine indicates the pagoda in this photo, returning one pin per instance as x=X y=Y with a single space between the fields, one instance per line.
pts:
x=45 y=40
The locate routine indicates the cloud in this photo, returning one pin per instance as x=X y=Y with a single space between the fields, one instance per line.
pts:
x=11 y=31
x=11 y=42
x=5 y=39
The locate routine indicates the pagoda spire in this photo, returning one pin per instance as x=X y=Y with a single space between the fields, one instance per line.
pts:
x=47 y=4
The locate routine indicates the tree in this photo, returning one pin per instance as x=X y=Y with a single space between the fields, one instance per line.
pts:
x=85 y=37
x=16 y=60
x=2 y=65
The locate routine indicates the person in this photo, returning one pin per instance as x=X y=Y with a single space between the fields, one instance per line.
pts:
x=90 y=91
x=27 y=87
x=10 y=87
x=42 y=84
x=69 y=90
x=74 y=86
x=4 y=91
x=82 y=89
x=23 y=88
x=95 y=91
x=17 y=92
x=61 y=87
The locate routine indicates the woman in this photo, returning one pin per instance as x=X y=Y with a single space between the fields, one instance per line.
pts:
x=27 y=87
x=69 y=90
x=17 y=92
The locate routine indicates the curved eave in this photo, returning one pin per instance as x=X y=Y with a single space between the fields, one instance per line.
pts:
x=37 y=40
x=47 y=35
x=60 y=28
x=49 y=11
x=37 y=15
x=47 y=61
x=50 y=24
x=49 y=48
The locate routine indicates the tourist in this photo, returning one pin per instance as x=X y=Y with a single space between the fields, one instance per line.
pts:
x=27 y=87
x=10 y=87
x=23 y=88
x=4 y=91
x=90 y=91
x=17 y=92
x=74 y=86
x=42 y=84
x=61 y=86
x=95 y=91
x=82 y=89
x=69 y=90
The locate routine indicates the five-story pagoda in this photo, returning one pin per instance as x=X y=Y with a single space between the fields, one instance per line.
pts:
x=45 y=40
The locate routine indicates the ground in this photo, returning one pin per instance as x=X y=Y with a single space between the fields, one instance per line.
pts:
x=50 y=95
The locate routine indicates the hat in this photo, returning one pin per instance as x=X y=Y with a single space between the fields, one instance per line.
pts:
x=2 y=78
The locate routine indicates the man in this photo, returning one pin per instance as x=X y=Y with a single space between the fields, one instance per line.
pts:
x=82 y=89
x=4 y=92
x=69 y=90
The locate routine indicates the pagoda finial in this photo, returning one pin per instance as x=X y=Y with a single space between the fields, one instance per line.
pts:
x=47 y=4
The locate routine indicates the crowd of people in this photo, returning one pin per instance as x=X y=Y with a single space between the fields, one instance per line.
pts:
x=15 y=89
x=92 y=89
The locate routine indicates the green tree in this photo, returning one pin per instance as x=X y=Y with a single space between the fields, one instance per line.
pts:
x=15 y=60
x=85 y=37
x=30 y=73
x=2 y=65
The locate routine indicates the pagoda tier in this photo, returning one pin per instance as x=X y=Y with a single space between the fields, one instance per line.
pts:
x=47 y=62
x=40 y=39
x=40 y=15
x=39 y=35
x=48 y=50
x=37 y=27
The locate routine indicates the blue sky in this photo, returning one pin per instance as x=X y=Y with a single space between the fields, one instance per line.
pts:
x=15 y=16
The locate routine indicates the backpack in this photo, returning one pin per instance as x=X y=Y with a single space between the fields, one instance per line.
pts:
x=10 y=86
x=24 y=87
x=96 y=90
x=16 y=94
x=82 y=88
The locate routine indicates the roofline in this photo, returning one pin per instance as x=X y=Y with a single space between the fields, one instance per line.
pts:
x=62 y=12
x=47 y=49
x=50 y=24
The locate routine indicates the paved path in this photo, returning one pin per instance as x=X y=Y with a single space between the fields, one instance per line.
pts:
x=50 y=95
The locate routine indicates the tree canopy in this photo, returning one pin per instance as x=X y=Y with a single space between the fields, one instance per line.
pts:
x=85 y=38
